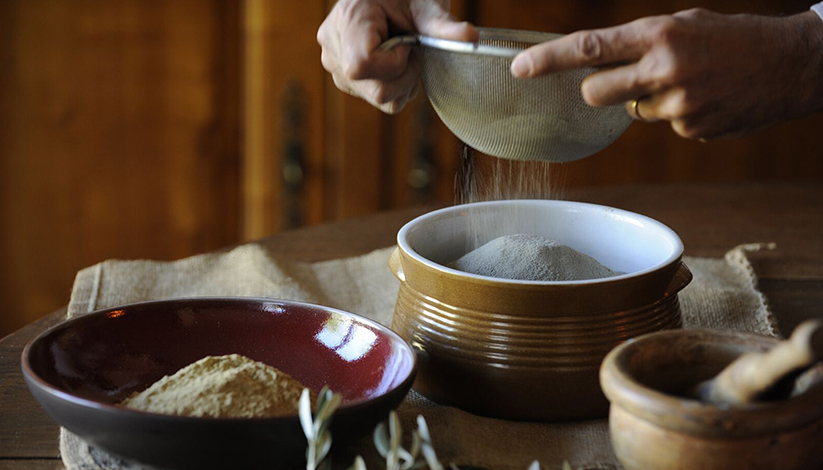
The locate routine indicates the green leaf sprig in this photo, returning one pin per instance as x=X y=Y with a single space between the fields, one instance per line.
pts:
x=387 y=439
x=316 y=426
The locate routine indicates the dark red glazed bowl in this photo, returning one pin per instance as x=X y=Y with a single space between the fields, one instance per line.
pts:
x=79 y=369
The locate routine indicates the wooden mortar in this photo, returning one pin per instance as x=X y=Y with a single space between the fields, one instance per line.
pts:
x=654 y=427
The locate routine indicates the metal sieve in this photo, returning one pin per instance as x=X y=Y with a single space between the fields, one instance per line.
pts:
x=543 y=118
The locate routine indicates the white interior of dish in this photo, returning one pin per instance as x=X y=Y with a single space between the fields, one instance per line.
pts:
x=622 y=240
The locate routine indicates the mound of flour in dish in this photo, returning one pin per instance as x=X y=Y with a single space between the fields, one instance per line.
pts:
x=231 y=386
x=531 y=258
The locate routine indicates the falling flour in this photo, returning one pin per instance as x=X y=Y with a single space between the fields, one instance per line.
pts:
x=231 y=386
x=533 y=258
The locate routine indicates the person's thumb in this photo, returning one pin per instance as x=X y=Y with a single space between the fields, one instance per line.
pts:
x=432 y=19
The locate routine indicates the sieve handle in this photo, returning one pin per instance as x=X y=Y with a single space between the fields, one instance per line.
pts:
x=410 y=39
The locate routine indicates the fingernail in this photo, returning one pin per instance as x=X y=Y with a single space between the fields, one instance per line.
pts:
x=470 y=31
x=521 y=66
x=466 y=26
x=459 y=31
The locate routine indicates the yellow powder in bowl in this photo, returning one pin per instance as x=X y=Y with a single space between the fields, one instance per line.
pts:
x=231 y=386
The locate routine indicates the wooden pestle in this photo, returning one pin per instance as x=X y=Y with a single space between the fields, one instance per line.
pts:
x=751 y=375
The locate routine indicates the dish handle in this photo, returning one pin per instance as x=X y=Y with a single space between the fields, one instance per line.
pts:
x=681 y=279
x=395 y=265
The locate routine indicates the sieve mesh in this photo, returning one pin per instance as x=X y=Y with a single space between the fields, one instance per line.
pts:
x=543 y=118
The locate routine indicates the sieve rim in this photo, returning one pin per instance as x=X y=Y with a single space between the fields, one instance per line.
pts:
x=517 y=35
x=465 y=47
x=476 y=48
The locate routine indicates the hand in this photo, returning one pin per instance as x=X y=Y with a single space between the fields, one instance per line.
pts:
x=353 y=31
x=709 y=74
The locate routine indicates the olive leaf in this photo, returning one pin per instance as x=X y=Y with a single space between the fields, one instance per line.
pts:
x=388 y=442
x=359 y=464
x=536 y=465
x=316 y=427
x=426 y=445
x=388 y=436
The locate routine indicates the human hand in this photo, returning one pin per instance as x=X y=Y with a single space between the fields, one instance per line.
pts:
x=352 y=33
x=709 y=74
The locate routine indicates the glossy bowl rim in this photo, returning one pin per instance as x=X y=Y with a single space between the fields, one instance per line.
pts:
x=86 y=403
x=405 y=247
x=637 y=399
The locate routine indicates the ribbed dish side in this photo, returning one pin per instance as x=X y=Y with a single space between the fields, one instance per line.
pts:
x=505 y=340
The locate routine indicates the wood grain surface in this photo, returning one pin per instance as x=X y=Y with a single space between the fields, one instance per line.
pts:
x=26 y=431
x=39 y=464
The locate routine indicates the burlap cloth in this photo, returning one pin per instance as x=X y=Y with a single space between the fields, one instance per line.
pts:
x=723 y=295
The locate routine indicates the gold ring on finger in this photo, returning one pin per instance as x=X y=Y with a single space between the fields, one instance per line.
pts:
x=635 y=110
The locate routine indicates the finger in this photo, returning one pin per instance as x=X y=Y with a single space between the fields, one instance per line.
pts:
x=639 y=110
x=582 y=49
x=328 y=39
x=691 y=130
x=395 y=106
x=616 y=85
x=666 y=106
x=328 y=61
x=382 y=93
x=675 y=104
x=391 y=107
x=709 y=125
x=343 y=85
x=415 y=91
x=449 y=28
x=431 y=19
x=360 y=37
x=705 y=132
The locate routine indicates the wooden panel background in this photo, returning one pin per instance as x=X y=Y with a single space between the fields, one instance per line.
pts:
x=143 y=129
x=118 y=139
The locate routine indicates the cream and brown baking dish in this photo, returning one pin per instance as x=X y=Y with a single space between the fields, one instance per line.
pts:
x=530 y=350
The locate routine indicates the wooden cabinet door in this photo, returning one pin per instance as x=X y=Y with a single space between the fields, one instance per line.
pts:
x=119 y=127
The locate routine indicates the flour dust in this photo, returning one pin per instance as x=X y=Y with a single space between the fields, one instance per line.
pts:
x=483 y=178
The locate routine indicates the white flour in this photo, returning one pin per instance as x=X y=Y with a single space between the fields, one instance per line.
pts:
x=533 y=258
x=483 y=178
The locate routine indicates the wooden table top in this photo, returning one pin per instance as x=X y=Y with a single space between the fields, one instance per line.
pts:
x=710 y=219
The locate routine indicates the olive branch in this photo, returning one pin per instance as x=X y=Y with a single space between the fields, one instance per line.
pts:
x=387 y=439
x=316 y=426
